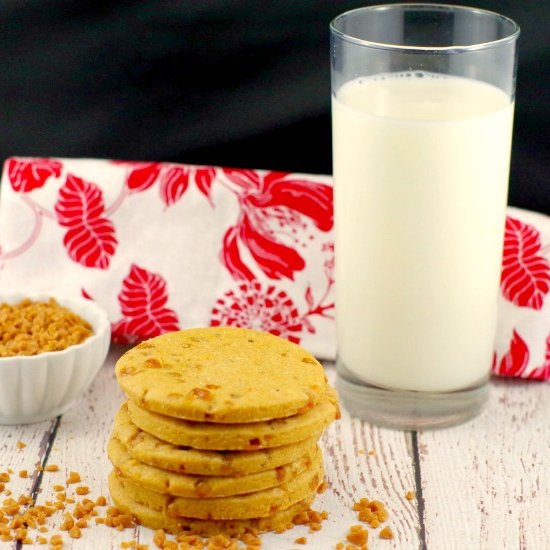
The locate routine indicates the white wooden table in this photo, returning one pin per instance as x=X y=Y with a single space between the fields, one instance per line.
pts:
x=482 y=485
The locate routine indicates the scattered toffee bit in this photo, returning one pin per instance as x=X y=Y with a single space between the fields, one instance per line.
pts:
x=74 y=477
x=322 y=487
x=30 y=328
x=409 y=495
x=134 y=545
x=20 y=445
x=371 y=512
x=357 y=535
x=249 y=540
x=372 y=452
x=24 y=521
x=386 y=533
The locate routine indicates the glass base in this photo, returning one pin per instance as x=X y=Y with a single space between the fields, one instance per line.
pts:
x=409 y=410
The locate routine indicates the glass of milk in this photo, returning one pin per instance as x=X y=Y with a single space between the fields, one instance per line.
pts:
x=422 y=107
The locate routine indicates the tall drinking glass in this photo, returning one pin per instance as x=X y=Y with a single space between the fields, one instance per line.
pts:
x=422 y=106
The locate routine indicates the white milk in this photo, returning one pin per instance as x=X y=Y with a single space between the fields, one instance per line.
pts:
x=421 y=171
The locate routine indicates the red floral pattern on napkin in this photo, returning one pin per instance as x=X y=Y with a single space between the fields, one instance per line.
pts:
x=269 y=204
x=90 y=238
x=164 y=246
x=525 y=271
x=525 y=283
x=27 y=174
x=142 y=302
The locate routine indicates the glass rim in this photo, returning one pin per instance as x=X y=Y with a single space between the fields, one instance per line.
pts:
x=511 y=37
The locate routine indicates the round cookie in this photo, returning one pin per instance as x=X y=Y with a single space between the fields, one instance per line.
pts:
x=157 y=520
x=243 y=437
x=162 y=481
x=259 y=504
x=150 y=450
x=222 y=375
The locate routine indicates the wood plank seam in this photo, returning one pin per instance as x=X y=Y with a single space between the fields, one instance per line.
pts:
x=46 y=446
x=419 y=494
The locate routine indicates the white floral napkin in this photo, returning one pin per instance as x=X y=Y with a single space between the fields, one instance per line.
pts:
x=164 y=246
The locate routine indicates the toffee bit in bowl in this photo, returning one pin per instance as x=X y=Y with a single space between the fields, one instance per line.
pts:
x=30 y=328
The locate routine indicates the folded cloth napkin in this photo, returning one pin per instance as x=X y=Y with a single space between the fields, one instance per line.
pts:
x=164 y=246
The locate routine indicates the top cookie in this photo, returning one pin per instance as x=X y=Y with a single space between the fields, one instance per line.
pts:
x=222 y=374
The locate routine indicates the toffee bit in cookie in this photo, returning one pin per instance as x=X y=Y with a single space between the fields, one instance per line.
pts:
x=153 y=363
x=203 y=393
x=30 y=328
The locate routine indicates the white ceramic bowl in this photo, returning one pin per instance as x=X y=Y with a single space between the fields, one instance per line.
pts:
x=39 y=387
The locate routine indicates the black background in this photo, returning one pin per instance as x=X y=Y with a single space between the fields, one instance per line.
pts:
x=237 y=83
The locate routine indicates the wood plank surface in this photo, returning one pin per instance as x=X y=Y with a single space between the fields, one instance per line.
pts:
x=487 y=482
x=480 y=485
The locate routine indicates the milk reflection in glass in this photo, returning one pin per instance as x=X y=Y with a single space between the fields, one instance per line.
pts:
x=421 y=171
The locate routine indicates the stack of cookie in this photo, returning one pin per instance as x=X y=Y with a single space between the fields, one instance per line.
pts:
x=220 y=431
